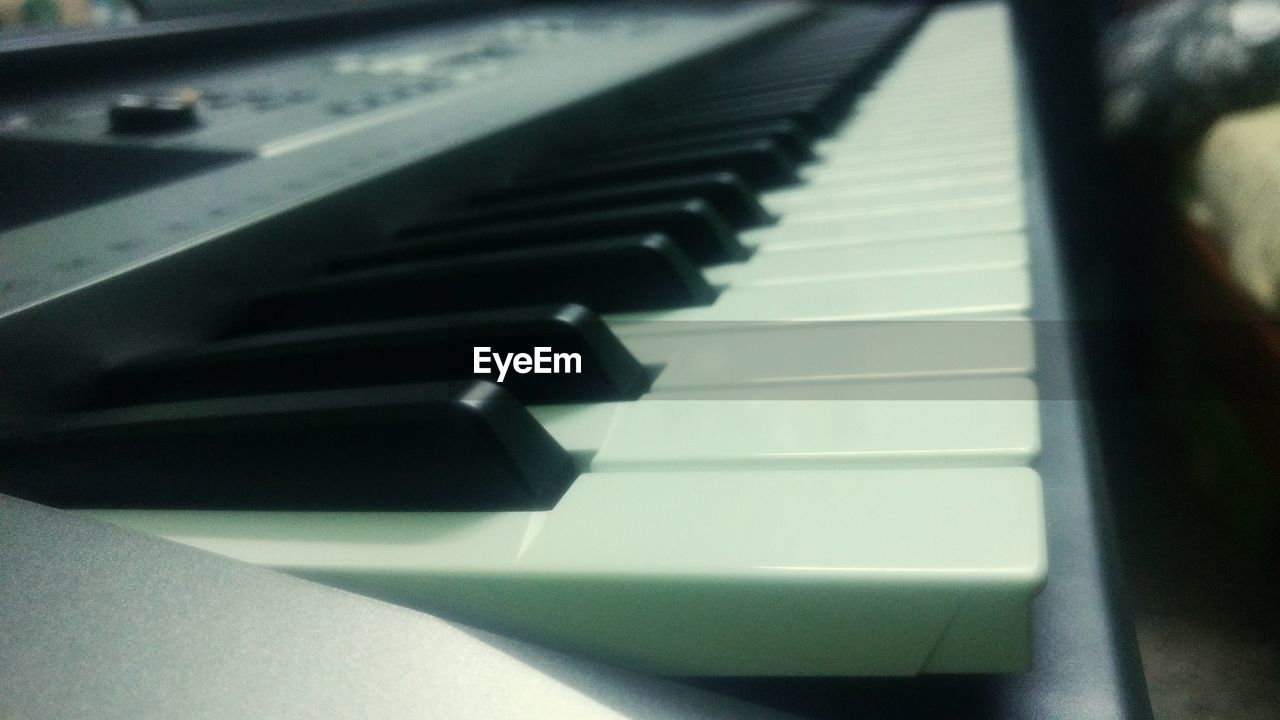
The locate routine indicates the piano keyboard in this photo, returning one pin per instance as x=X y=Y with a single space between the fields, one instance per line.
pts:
x=825 y=466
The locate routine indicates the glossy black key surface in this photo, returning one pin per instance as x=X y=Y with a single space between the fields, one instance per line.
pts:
x=812 y=106
x=760 y=162
x=616 y=275
x=393 y=353
x=637 y=141
x=693 y=225
x=440 y=446
x=726 y=193
x=779 y=83
x=698 y=141
x=733 y=116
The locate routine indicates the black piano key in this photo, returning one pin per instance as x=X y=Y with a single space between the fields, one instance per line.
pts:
x=394 y=352
x=730 y=197
x=617 y=275
x=795 y=73
x=698 y=142
x=757 y=82
x=639 y=140
x=760 y=162
x=812 y=122
x=785 y=134
x=828 y=98
x=442 y=446
x=815 y=99
x=818 y=102
x=693 y=225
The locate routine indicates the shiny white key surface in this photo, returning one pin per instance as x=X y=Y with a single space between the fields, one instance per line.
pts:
x=666 y=434
x=800 y=353
x=921 y=168
x=872 y=152
x=687 y=573
x=891 y=389
x=580 y=429
x=997 y=205
x=989 y=121
x=985 y=97
x=776 y=264
x=860 y=142
x=903 y=203
x=676 y=434
x=897 y=221
x=984 y=291
x=814 y=196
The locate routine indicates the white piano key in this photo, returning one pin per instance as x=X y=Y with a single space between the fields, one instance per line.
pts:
x=929 y=110
x=869 y=260
x=664 y=433
x=655 y=350
x=886 y=139
x=948 y=113
x=962 y=77
x=944 y=219
x=977 y=170
x=985 y=291
x=657 y=434
x=938 y=83
x=685 y=573
x=894 y=132
x=874 y=172
x=997 y=203
x=790 y=354
x=937 y=93
x=1003 y=182
x=835 y=206
x=917 y=388
x=996 y=206
x=937 y=86
x=868 y=146
x=980 y=123
x=580 y=428
x=911 y=169
x=874 y=153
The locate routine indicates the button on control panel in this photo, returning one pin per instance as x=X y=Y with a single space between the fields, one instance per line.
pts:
x=139 y=113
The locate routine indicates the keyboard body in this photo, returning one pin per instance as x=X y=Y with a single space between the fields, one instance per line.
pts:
x=932 y=554
x=102 y=620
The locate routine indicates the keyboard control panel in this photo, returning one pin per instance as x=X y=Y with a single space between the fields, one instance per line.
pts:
x=255 y=107
x=279 y=132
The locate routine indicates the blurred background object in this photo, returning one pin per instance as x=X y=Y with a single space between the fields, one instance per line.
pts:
x=1192 y=112
x=24 y=13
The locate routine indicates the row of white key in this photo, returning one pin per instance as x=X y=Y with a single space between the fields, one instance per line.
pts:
x=936 y=234
x=777 y=537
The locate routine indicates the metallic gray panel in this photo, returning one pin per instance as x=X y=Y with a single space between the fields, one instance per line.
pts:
x=97 y=622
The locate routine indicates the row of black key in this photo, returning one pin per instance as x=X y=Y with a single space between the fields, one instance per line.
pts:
x=355 y=390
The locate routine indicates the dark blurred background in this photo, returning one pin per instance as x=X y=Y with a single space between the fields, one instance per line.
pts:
x=1164 y=151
